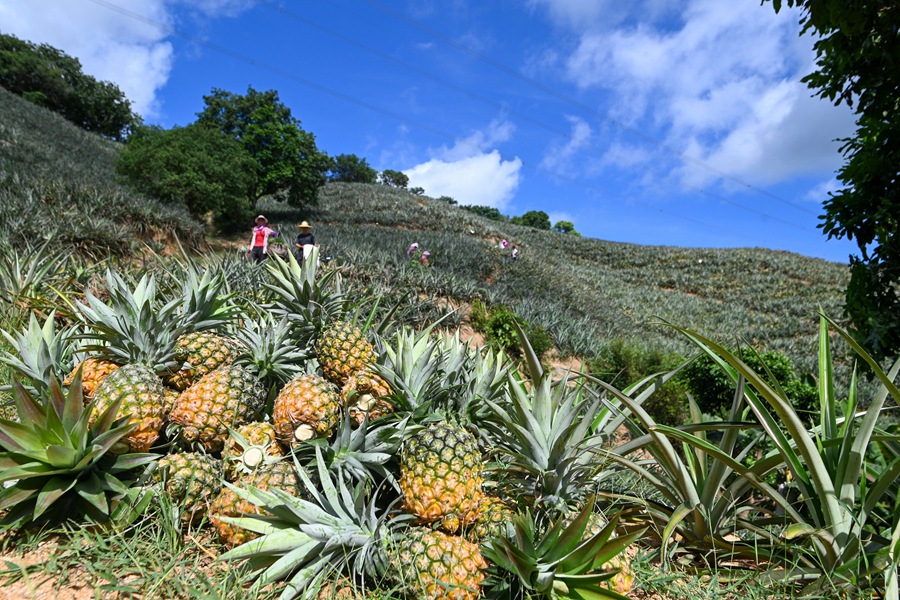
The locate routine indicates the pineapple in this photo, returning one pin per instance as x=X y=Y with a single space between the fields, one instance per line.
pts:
x=344 y=528
x=142 y=398
x=363 y=394
x=273 y=474
x=343 y=350
x=494 y=518
x=438 y=566
x=441 y=475
x=227 y=397
x=94 y=371
x=202 y=352
x=248 y=447
x=308 y=406
x=191 y=479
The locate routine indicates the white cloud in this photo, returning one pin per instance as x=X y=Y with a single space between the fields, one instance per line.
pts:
x=481 y=179
x=498 y=131
x=112 y=46
x=720 y=83
x=559 y=157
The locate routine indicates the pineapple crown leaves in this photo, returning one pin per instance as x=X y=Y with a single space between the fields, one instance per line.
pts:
x=268 y=351
x=309 y=302
x=561 y=561
x=411 y=366
x=60 y=465
x=304 y=540
x=252 y=456
x=134 y=327
x=43 y=351
x=358 y=454
x=545 y=431
x=23 y=275
x=204 y=306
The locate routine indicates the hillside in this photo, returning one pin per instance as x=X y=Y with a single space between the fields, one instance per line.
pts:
x=57 y=180
x=586 y=292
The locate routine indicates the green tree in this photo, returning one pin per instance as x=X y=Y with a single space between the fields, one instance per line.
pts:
x=395 y=179
x=353 y=169
x=52 y=79
x=566 y=227
x=198 y=166
x=488 y=212
x=448 y=200
x=533 y=218
x=858 y=63
x=289 y=166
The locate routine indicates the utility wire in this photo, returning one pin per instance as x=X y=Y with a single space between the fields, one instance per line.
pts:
x=575 y=103
x=353 y=100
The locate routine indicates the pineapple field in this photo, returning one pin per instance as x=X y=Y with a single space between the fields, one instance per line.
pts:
x=180 y=422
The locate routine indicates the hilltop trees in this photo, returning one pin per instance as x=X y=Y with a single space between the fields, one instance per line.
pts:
x=395 y=179
x=198 y=166
x=859 y=64
x=50 y=78
x=533 y=218
x=352 y=169
x=289 y=166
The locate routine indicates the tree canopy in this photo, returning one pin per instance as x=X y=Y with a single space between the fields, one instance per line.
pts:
x=566 y=227
x=396 y=179
x=488 y=212
x=533 y=218
x=858 y=63
x=50 y=78
x=198 y=166
x=289 y=165
x=353 y=169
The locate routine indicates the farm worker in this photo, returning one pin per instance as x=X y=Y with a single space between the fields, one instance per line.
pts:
x=259 y=240
x=515 y=253
x=305 y=239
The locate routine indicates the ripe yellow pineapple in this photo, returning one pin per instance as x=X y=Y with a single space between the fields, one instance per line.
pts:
x=93 y=371
x=227 y=397
x=143 y=401
x=437 y=566
x=308 y=406
x=192 y=480
x=342 y=350
x=441 y=475
x=273 y=474
x=201 y=353
x=363 y=395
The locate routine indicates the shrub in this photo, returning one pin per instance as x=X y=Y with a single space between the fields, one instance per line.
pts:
x=498 y=326
x=713 y=388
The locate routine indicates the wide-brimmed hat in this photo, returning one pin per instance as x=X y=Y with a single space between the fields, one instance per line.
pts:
x=304 y=225
x=261 y=217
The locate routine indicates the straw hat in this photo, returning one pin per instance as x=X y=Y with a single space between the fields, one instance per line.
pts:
x=261 y=218
x=304 y=225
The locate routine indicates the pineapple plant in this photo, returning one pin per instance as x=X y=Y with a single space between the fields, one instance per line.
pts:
x=441 y=475
x=307 y=406
x=58 y=465
x=191 y=480
x=494 y=518
x=42 y=352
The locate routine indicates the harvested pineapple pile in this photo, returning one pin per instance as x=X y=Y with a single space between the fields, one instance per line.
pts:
x=319 y=444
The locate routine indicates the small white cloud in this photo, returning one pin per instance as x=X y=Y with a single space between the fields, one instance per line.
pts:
x=821 y=192
x=483 y=179
x=498 y=131
x=559 y=157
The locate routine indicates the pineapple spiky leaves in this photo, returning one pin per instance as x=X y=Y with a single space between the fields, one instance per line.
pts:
x=58 y=465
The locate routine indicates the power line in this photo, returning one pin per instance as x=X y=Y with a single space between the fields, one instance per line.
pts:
x=575 y=103
x=369 y=106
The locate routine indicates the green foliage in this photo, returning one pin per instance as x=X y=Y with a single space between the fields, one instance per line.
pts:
x=488 y=212
x=352 y=169
x=200 y=167
x=418 y=191
x=396 y=179
x=566 y=227
x=448 y=200
x=533 y=218
x=289 y=166
x=50 y=78
x=624 y=363
x=497 y=323
x=857 y=63
x=713 y=388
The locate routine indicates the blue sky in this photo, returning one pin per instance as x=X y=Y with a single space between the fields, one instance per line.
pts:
x=662 y=122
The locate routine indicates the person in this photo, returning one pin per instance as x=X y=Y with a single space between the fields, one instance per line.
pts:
x=515 y=253
x=259 y=240
x=305 y=239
